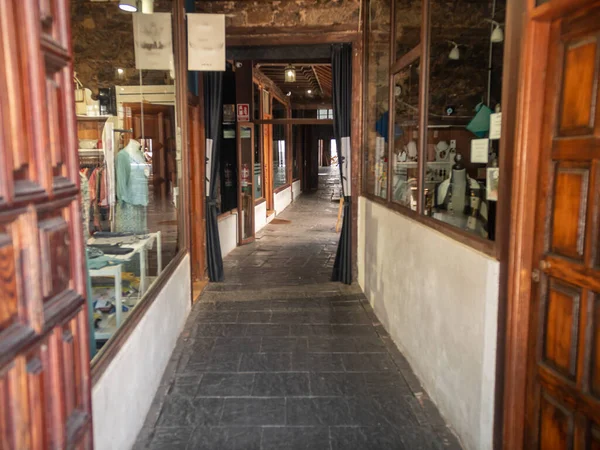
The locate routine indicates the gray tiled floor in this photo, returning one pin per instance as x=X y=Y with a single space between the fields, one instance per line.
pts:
x=279 y=358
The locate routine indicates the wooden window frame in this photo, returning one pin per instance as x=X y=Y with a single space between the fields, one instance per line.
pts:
x=422 y=51
x=111 y=349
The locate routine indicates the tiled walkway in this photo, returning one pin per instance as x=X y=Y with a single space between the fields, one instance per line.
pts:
x=277 y=357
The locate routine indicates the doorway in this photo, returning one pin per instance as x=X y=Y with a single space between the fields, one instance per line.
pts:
x=553 y=335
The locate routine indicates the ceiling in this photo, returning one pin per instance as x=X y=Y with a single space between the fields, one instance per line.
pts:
x=309 y=76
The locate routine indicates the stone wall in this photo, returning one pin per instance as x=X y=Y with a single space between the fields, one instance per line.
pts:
x=102 y=37
x=284 y=13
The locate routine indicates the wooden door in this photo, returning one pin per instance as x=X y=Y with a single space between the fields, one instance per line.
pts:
x=563 y=406
x=198 y=188
x=44 y=354
x=268 y=163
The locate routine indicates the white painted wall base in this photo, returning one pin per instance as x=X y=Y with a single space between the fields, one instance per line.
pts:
x=296 y=189
x=282 y=200
x=438 y=299
x=122 y=396
x=228 y=233
x=260 y=216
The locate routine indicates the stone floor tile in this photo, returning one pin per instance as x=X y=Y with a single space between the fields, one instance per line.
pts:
x=237 y=344
x=337 y=384
x=225 y=438
x=266 y=362
x=318 y=411
x=367 y=362
x=267 y=330
x=253 y=411
x=284 y=344
x=170 y=439
x=366 y=438
x=281 y=384
x=280 y=354
x=187 y=412
x=318 y=362
x=225 y=385
x=295 y=438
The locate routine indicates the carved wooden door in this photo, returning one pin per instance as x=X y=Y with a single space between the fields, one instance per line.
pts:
x=44 y=354
x=564 y=361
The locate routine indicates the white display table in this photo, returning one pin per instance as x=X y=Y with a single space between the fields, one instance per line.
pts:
x=139 y=248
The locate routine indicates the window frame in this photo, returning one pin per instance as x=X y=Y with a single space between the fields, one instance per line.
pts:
x=422 y=51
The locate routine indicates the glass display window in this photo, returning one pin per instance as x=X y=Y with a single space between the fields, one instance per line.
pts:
x=129 y=159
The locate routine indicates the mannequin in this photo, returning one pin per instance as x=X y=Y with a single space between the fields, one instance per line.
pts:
x=453 y=192
x=132 y=189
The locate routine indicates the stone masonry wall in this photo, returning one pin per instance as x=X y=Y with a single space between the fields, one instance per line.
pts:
x=102 y=37
x=284 y=13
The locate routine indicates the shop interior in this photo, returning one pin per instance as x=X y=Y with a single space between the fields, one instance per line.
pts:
x=457 y=180
x=129 y=156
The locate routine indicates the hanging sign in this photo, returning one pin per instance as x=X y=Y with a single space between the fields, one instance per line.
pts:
x=152 y=41
x=209 y=149
x=479 y=150
x=346 y=166
x=243 y=112
x=495 y=125
x=206 y=42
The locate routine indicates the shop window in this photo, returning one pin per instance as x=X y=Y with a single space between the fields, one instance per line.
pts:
x=258 y=172
x=408 y=22
x=453 y=176
x=279 y=156
x=465 y=88
x=405 y=155
x=130 y=164
x=377 y=98
x=324 y=113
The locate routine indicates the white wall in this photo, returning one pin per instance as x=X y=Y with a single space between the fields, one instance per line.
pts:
x=122 y=396
x=260 y=216
x=438 y=299
x=228 y=229
x=296 y=190
x=282 y=200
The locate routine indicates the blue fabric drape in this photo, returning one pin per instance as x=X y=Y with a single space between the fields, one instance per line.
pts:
x=213 y=111
x=341 y=65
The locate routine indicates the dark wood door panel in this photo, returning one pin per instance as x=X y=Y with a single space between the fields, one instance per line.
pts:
x=44 y=355
x=563 y=402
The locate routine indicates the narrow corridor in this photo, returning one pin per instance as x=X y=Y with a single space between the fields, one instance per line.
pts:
x=278 y=357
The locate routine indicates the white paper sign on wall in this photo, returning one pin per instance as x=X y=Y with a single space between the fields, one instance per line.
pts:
x=479 y=150
x=153 y=43
x=206 y=42
x=495 y=125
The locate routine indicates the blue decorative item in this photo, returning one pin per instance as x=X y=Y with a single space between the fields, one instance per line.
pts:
x=381 y=126
x=480 y=124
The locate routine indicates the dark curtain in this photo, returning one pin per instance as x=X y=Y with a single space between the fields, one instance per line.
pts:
x=213 y=110
x=341 y=65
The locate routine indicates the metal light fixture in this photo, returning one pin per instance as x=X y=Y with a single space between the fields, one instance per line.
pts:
x=309 y=91
x=147 y=6
x=497 y=33
x=290 y=74
x=455 y=52
x=128 y=5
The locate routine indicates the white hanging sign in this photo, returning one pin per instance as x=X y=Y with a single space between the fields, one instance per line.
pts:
x=495 y=125
x=209 y=149
x=479 y=150
x=206 y=42
x=153 y=43
x=346 y=166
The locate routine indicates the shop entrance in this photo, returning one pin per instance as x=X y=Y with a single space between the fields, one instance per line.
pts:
x=553 y=330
